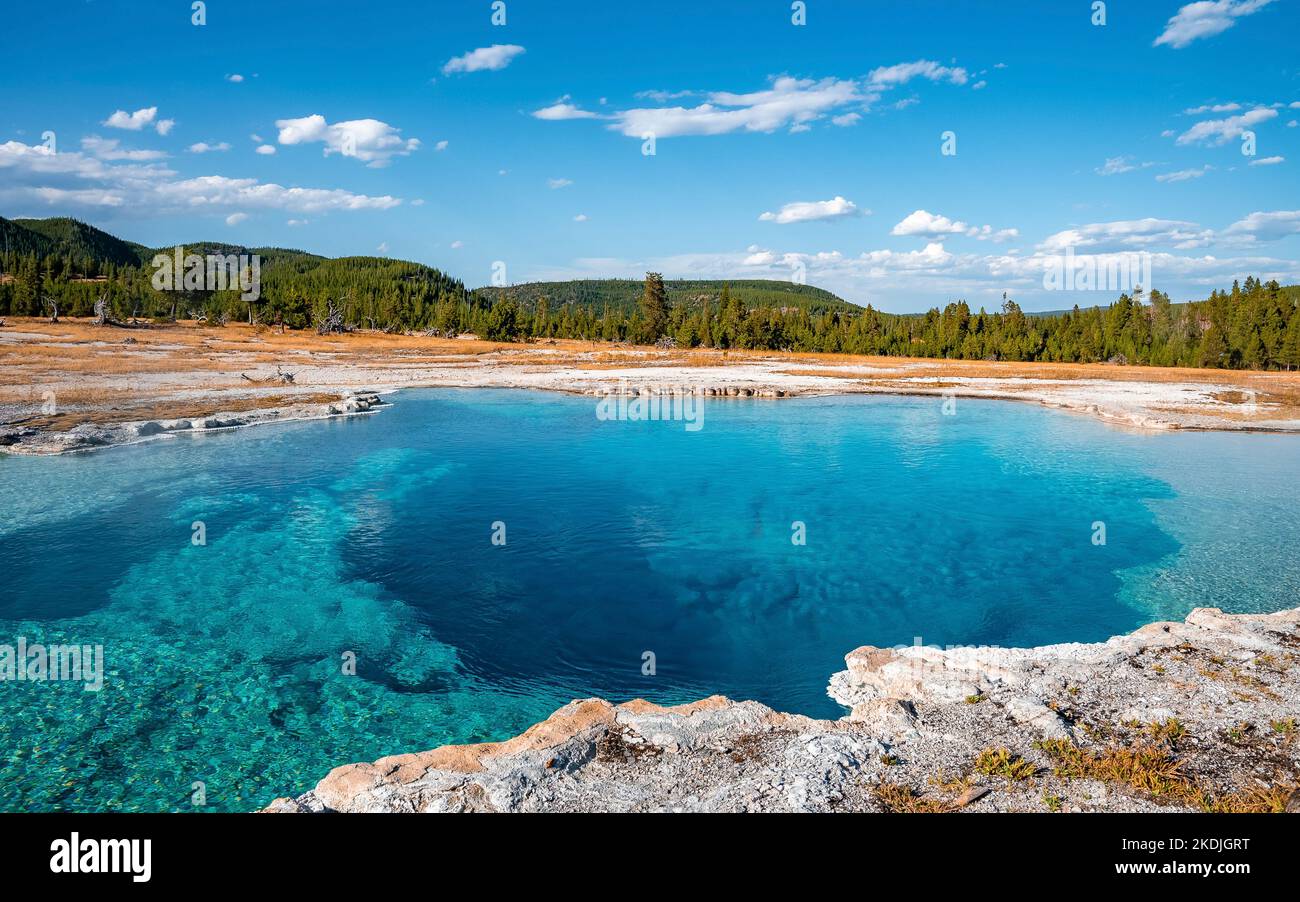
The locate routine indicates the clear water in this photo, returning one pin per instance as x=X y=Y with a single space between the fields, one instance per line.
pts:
x=373 y=535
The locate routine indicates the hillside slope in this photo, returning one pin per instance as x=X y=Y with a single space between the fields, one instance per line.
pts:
x=621 y=295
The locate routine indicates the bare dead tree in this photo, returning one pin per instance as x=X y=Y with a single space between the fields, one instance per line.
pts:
x=103 y=316
x=333 y=322
x=53 y=306
x=280 y=376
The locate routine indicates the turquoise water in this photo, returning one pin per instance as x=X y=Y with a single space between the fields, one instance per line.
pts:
x=374 y=536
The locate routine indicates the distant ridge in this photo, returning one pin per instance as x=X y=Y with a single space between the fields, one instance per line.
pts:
x=621 y=295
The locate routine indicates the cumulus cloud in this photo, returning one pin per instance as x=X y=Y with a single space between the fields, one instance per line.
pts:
x=581 y=217
x=235 y=219
x=563 y=109
x=1212 y=108
x=134 y=122
x=484 y=59
x=558 y=183
x=812 y=210
x=204 y=147
x=369 y=140
x=441 y=146
x=1265 y=226
x=1268 y=161
x=1205 y=19
x=788 y=102
x=1130 y=234
x=902 y=73
x=34 y=175
x=924 y=224
x=920 y=278
x=236 y=78
x=266 y=150
x=1221 y=131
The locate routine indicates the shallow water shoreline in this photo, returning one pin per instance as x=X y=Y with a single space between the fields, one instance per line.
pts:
x=75 y=387
x=1206 y=705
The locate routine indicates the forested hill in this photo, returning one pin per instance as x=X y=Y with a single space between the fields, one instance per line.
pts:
x=70 y=264
x=622 y=296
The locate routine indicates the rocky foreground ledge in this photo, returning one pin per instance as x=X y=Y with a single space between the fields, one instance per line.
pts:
x=24 y=439
x=1201 y=715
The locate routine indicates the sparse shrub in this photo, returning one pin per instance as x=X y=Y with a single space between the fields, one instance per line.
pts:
x=1002 y=763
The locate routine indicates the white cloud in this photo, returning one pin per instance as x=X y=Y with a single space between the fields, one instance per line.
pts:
x=136 y=121
x=440 y=146
x=1268 y=161
x=812 y=210
x=1128 y=235
x=915 y=280
x=1117 y=165
x=558 y=183
x=923 y=224
x=979 y=85
x=1262 y=226
x=1221 y=131
x=369 y=140
x=788 y=102
x=382 y=249
x=235 y=219
x=110 y=149
x=132 y=122
x=1183 y=175
x=663 y=96
x=561 y=110
x=266 y=149
x=581 y=217
x=296 y=222
x=204 y=147
x=484 y=59
x=1212 y=108
x=457 y=245
x=78 y=181
x=901 y=74
x=1204 y=19
x=236 y=78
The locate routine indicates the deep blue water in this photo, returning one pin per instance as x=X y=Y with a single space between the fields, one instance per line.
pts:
x=374 y=535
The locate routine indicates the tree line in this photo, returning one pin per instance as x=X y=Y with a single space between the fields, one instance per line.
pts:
x=1254 y=325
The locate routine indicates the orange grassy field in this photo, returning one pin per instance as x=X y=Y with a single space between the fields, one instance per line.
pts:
x=105 y=374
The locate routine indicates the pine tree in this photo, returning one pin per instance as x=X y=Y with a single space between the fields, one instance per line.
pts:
x=654 y=308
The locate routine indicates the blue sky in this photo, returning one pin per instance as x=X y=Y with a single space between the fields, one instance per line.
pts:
x=780 y=149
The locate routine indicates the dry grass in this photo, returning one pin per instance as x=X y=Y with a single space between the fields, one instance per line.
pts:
x=77 y=356
x=1153 y=771
x=899 y=799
